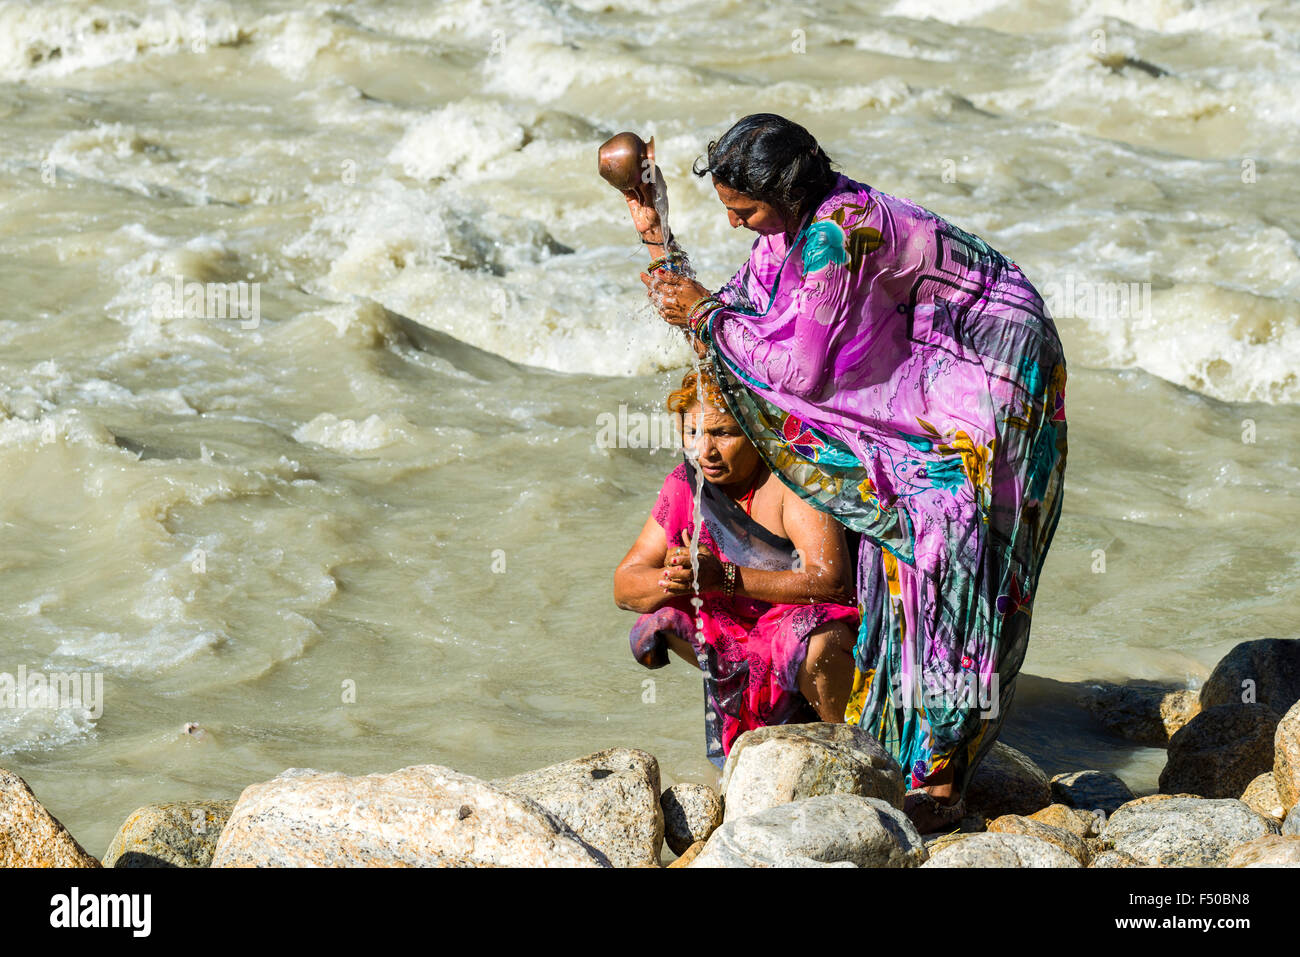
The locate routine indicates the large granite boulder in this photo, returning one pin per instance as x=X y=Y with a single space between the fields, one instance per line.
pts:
x=1071 y=843
x=31 y=836
x=1286 y=757
x=692 y=812
x=1221 y=751
x=424 y=816
x=1271 y=850
x=610 y=799
x=835 y=830
x=1261 y=796
x=1142 y=713
x=783 y=763
x=1007 y=782
x=1266 y=671
x=1001 y=850
x=1182 y=831
x=1291 y=824
x=181 y=834
x=1091 y=790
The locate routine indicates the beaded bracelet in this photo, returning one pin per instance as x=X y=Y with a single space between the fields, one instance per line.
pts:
x=666 y=261
x=730 y=589
x=698 y=318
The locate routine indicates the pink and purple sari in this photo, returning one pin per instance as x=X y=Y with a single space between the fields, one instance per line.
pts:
x=904 y=376
x=749 y=651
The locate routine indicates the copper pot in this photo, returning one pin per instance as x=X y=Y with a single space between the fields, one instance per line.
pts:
x=623 y=161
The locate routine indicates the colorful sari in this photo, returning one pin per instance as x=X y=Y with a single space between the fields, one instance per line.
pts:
x=905 y=377
x=749 y=651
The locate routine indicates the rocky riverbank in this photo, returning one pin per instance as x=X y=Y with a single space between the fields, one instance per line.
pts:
x=814 y=795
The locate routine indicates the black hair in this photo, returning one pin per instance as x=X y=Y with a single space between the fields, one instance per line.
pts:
x=772 y=159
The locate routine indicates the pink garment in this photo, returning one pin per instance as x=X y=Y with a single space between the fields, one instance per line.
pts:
x=749 y=650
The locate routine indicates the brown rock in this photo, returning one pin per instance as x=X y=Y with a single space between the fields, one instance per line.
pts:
x=1286 y=757
x=1142 y=713
x=1221 y=751
x=31 y=836
x=1266 y=671
x=1072 y=844
x=1262 y=797
x=689 y=855
x=1007 y=782
x=938 y=842
x=1152 y=798
x=1271 y=850
x=1083 y=824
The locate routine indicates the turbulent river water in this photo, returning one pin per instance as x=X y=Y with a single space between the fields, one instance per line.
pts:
x=371 y=520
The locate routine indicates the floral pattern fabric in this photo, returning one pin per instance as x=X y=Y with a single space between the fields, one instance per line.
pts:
x=904 y=376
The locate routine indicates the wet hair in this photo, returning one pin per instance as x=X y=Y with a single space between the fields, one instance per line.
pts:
x=683 y=398
x=772 y=159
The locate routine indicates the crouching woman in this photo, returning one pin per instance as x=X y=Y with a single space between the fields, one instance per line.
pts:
x=775 y=631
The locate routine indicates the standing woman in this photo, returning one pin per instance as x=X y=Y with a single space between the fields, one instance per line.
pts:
x=902 y=375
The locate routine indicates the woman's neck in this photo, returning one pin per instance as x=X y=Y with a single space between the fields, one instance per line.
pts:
x=738 y=490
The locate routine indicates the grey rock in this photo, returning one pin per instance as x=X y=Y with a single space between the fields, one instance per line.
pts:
x=835 y=830
x=783 y=763
x=1266 y=671
x=1182 y=831
x=1271 y=850
x=1142 y=713
x=1001 y=850
x=692 y=812
x=424 y=816
x=1114 y=859
x=1090 y=790
x=31 y=836
x=610 y=799
x=1291 y=824
x=1007 y=782
x=180 y=834
x=1221 y=751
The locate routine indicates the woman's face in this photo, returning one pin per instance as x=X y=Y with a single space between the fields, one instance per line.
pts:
x=751 y=213
x=725 y=455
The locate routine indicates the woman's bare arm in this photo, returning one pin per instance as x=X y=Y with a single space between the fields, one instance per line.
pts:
x=825 y=575
x=827 y=571
x=636 y=579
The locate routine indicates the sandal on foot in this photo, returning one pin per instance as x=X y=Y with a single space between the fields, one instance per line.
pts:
x=921 y=804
